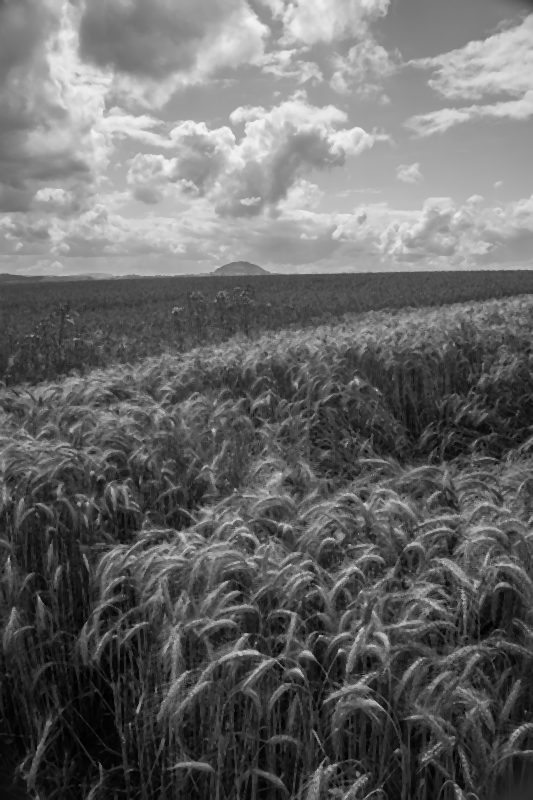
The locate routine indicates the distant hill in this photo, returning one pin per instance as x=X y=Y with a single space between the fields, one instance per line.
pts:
x=6 y=277
x=240 y=269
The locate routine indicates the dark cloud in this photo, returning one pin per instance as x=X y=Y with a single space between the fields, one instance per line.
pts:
x=157 y=39
x=24 y=24
x=46 y=119
x=143 y=38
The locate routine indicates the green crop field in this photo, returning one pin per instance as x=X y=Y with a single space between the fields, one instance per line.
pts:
x=294 y=564
x=126 y=320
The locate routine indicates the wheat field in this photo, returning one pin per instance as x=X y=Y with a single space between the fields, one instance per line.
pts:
x=296 y=567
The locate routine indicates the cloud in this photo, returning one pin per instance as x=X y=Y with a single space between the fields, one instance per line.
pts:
x=288 y=64
x=101 y=232
x=244 y=176
x=500 y=64
x=118 y=124
x=507 y=232
x=302 y=195
x=409 y=173
x=446 y=118
x=165 y=42
x=295 y=239
x=441 y=234
x=24 y=231
x=364 y=69
x=446 y=235
x=24 y=26
x=430 y=235
x=48 y=104
x=497 y=71
x=314 y=21
x=204 y=154
x=54 y=199
x=197 y=235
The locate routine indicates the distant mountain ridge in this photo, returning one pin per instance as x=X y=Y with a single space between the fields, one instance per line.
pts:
x=240 y=269
x=6 y=277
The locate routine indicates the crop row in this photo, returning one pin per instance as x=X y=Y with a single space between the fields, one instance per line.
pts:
x=295 y=567
x=125 y=321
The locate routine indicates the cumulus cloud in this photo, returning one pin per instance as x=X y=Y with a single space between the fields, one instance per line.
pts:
x=99 y=232
x=56 y=200
x=24 y=231
x=409 y=173
x=48 y=104
x=303 y=195
x=363 y=70
x=204 y=154
x=289 y=64
x=443 y=234
x=246 y=175
x=195 y=238
x=495 y=73
x=430 y=235
x=168 y=41
x=440 y=234
x=313 y=21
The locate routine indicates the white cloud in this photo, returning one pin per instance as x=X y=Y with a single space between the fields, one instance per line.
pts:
x=429 y=235
x=500 y=64
x=48 y=105
x=445 y=118
x=55 y=199
x=101 y=232
x=288 y=64
x=409 y=173
x=443 y=234
x=150 y=176
x=165 y=43
x=244 y=176
x=118 y=124
x=364 y=69
x=313 y=21
x=302 y=195
x=203 y=155
x=497 y=70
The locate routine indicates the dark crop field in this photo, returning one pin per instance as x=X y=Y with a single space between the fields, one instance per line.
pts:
x=104 y=322
x=293 y=568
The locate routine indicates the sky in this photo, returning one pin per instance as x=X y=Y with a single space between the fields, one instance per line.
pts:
x=173 y=136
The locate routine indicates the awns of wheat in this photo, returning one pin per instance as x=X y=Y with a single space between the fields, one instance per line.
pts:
x=299 y=567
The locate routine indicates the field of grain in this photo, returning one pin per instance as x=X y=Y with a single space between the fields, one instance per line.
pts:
x=298 y=566
x=52 y=329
